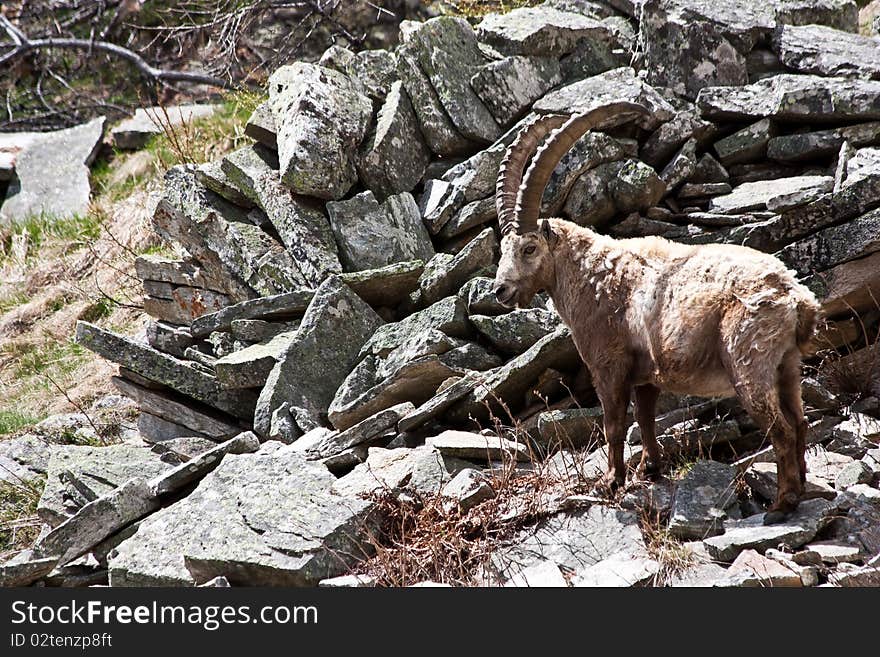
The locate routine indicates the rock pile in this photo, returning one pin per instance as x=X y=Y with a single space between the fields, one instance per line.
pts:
x=331 y=328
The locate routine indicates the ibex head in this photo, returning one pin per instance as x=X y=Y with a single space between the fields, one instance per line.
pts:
x=527 y=265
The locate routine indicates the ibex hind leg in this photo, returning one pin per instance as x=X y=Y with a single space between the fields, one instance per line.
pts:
x=758 y=392
x=792 y=404
x=615 y=400
x=645 y=412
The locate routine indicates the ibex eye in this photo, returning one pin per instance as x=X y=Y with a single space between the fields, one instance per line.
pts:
x=529 y=250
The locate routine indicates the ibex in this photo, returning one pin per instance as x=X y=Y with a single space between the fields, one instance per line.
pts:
x=647 y=314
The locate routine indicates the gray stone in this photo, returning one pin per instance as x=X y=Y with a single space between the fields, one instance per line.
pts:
x=447 y=51
x=23 y=458
x=447 y=315
x=577 y=541
x=832 y=246
x=708 y=171
x=544 y=574
x=212 y=176
x=854 y=473
x=386 y=286
x=278 y=306
x=762 y=478
x=219 y=235
x=147 y=122
x=154 y=429
x=475 y=446
x=178 y=450
x=746 y=145
x=703 y=190
x=701 y=498
x=420 y=469
x=752 y=569
x=416 y=382
x=78 y=475
x=97 y=520
x=751 y=533
x=472 y=215
x=618 y=571
x=167 y=370
x=337 y=442
x=165 y=406
x=440 y=402
x=321 y=117
x=681 y=166
x=694 y=436
x=620 y=84
x=794 y=97
x=671 y=135
x=199 y=466
x=438 y=130
x=376 y=70
x=543 y=31
x=177 y=272
x=466 y=490
x=347 y=582
x=61 y=191
x=184 y=304
x=259 y=330
x=825 y=51
x=261 y=126
x=394 y=155
x=251 y=366
x=866 y=576
x=757 y=195
x=516 y=331
x=570 y=428
x=25 y=573
x=443 y=277
x=300 y=222
x=509 y=86
x=371 y=235
x=835 y=552
x=258 y=519
x=863 y=164
x=302 y=384
x=812 y=145
x=510 y=382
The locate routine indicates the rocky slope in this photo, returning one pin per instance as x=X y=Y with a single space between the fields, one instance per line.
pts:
x=330 y=349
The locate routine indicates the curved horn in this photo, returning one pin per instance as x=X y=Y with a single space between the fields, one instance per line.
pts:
x=528 y=200
x=514 y=163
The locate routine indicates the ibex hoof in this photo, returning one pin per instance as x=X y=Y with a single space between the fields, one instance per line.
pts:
x=775 y=517
x=608 y=484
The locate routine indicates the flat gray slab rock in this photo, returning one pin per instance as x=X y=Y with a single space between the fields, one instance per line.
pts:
x=543 y=31
x=278 y=306
x=620 y=84
x=758 y=195
x=469 y=445
x=302 y=385
x=134 y=133
x=175 y=373
x=321 y=116
x=372 y=235
x=251 y=366
x=78 y=475
x=258 y=519
x=835 y=245
x=576 y=541
x=701 y=497
x=516 y=331
x=445 y=275
x=825 y=51
x=23 y=458
x=62 y=190
x=794 y=97
x=420 y=469
x=751 y=533
x=386 y=286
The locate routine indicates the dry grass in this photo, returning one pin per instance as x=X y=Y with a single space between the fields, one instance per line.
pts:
x=19 y=524
x=477 y=8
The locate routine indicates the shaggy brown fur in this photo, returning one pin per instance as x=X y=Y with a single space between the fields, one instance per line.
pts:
x=648 y=315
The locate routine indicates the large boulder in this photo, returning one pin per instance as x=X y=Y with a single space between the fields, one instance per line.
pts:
x=371 y=235
x=825 y=51
x=52 y=173
x=321 y=117
x=264 y=519
x=325 y=349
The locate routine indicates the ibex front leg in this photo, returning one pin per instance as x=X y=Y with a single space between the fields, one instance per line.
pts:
x=615 y=400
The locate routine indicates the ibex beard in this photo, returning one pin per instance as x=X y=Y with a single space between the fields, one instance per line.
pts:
x=649 y=315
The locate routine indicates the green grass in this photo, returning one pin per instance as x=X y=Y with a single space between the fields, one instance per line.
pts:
x=43 y=228
x=13 y=300
x=12 y=421
x=478 y=8
x=55 y=358
x=19 y=525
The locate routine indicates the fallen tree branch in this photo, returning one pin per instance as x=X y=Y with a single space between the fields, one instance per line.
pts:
x=21 y=45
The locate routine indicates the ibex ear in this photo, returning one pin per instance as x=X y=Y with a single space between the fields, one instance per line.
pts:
x=549 y=235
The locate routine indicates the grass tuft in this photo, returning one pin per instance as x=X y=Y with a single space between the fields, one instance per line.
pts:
x=19 y=523
x=12 y=421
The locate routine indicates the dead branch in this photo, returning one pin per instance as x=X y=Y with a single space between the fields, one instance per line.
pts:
x=21 y=45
